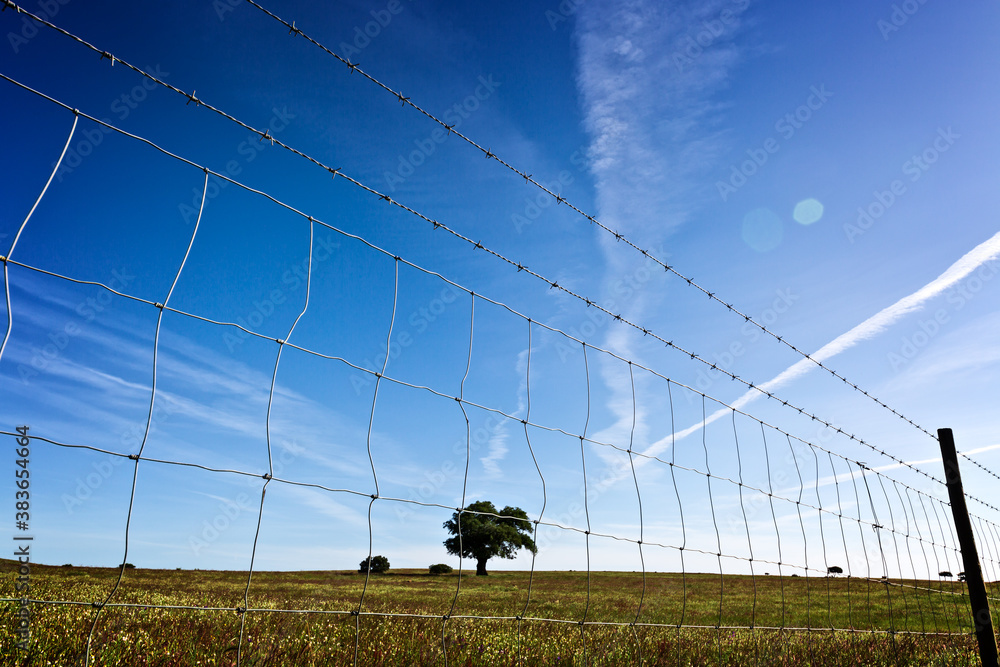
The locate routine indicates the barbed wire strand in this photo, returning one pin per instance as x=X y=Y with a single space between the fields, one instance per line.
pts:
x=980 y=466
x=499 y=412
x=149 y=421
x=265 y=135
x=471 y=403
x=619 y=237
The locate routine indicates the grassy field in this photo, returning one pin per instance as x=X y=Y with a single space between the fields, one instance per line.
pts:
x=137 y=636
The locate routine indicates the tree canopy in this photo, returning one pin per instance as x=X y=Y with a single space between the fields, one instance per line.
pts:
x=490 y=534
x=375 y=565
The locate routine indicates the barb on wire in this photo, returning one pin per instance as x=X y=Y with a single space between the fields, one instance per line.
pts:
x=520 y=267
x=979 y=465
x=489 y=154
x=396 y=258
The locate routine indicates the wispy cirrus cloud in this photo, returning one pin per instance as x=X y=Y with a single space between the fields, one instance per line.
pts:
x=649 y=74
x=981 y=256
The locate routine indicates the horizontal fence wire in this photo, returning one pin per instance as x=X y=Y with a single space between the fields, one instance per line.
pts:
x=396 y=258
x=406 y=101
x=265 y=135
x=554 y=284
x=907 y=529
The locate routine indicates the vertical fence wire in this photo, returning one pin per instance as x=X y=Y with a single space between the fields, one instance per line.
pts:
x=371 y=459
x=270 y=459
x=715 y=525
x=20 y=230
x=746 y=525
x=680 y=514
x=586 y=505
x=149 y=422
x=545 y=498
x=638 y=496
x=465 y=475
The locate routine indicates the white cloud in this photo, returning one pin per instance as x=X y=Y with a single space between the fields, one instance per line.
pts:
x=651 y=111
x=983 y=254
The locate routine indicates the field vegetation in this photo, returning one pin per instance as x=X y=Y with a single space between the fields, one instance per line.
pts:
x=402 y=619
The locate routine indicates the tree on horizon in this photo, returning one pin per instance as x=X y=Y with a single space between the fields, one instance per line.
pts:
x=487 y=533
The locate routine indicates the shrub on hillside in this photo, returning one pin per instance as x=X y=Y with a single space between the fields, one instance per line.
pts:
x=374 y=564
x=440 y=568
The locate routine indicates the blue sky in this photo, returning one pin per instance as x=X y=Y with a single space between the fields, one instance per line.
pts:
x=829 y=170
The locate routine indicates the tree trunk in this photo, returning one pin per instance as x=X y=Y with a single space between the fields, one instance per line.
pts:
x=481 y=567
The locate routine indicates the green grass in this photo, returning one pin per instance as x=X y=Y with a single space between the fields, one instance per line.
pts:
x=134 y=636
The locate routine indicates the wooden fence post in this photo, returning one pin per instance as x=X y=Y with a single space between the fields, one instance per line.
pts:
x=970 y=556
